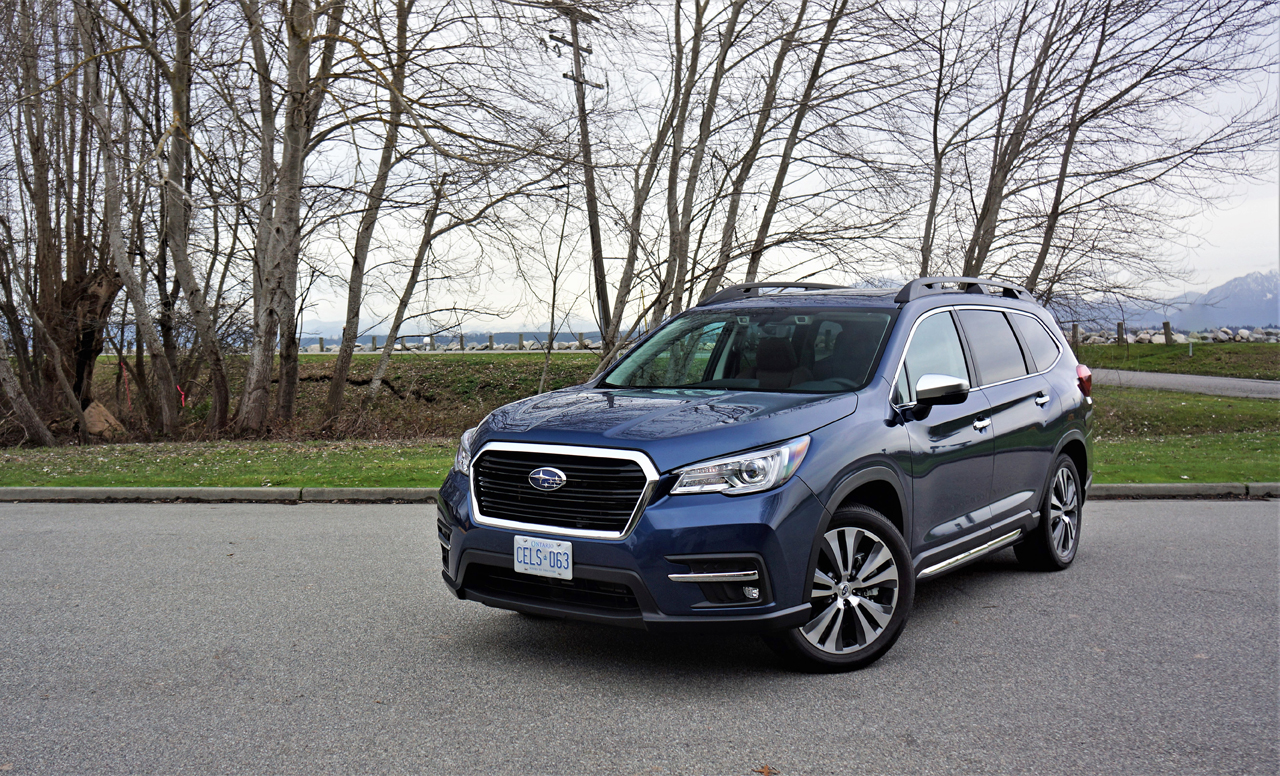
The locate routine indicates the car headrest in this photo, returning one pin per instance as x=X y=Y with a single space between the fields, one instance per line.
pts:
x=775 y=354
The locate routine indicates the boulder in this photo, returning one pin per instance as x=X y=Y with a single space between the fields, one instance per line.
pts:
x=100 y=422
x=313 y=348
x=1180 y=339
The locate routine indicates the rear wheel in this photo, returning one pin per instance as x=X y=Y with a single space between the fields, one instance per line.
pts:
x=861 y=592
x=1052 y=545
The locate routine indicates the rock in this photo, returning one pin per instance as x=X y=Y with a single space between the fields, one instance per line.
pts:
x=1145 y=338
x=101 y=422
x=1271 y=332
x=1242 y=332
x=1180 y=339
x=1222 y=336
x=313 y=348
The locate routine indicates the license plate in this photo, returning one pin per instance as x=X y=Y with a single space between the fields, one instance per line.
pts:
x=544 y=557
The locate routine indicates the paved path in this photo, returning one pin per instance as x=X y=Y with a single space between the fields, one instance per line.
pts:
x=313 y=639
x=1216 y=386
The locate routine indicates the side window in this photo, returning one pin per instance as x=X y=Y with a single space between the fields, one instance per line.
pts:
x=935 y=349
x=994 y=346
x=683 y=362
x=1044 y=348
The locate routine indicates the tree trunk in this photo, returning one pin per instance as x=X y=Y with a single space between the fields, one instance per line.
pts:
x=35 y=428
x=749 y=159
x=793 y=138
x=681 y=229
x=369 y=219
x=428 y=232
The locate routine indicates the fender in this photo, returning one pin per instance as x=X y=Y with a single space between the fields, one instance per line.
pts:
x=1075 y=435
x=875 y=473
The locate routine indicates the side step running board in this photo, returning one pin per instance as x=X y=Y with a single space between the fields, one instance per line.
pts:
x=971 y=554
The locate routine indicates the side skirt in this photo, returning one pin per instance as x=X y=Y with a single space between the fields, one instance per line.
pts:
x=973 y=554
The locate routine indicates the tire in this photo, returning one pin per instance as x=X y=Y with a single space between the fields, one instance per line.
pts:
x=853 y=623
x=1052 y=545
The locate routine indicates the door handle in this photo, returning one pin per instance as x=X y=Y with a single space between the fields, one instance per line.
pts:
x=1042 y=400
x=981 y=423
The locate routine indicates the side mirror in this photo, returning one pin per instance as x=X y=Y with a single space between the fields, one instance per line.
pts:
x=941 y=389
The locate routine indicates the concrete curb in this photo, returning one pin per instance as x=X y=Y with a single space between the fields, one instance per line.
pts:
x=1169 y=490
x=149 y=494
x=370 y=494
x=422 y=495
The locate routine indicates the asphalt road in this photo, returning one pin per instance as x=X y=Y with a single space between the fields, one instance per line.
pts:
x=317 y=638
x=1214 y=386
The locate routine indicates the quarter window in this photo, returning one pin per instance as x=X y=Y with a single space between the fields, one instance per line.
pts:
x=995 y=349
x=934 y=350
x=1044 y=349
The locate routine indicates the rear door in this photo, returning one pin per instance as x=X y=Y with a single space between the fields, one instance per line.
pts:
x=1021 y=408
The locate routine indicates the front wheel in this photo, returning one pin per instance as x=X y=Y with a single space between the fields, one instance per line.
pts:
x=861 y=593
x=1052 y=545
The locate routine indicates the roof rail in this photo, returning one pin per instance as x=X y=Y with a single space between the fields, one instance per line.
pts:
x=926 y=286
x=746 y=290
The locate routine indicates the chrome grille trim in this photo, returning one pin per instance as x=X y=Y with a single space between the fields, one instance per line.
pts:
x=634 y=456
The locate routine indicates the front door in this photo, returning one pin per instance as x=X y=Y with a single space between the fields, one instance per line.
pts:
x=951 y=445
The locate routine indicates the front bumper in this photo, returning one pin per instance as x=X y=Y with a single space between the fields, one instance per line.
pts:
x=625 y=581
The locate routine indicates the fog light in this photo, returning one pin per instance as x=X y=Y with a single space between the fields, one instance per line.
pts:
x=751 y=592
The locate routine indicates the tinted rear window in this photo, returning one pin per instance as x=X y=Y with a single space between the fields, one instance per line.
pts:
x=1041 y=343
x=994 y=346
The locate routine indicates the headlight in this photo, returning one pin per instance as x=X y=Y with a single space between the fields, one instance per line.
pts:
x=746 y=473
x=462 y=461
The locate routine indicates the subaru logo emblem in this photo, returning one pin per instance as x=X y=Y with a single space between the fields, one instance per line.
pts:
x=547 y=478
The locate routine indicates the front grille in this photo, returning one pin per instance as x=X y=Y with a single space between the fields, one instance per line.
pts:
x=593 y=593
x=600 y=494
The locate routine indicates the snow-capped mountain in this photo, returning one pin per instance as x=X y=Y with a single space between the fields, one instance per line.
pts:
x=1250 y=300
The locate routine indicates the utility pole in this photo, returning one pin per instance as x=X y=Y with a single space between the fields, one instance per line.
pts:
x=580 y=84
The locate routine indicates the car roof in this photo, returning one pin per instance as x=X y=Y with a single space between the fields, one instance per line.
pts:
x=953 y=289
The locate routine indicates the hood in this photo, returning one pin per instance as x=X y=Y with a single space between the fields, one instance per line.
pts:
x=675 y=427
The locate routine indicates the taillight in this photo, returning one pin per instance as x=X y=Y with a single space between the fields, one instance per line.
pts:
x=1085 y=379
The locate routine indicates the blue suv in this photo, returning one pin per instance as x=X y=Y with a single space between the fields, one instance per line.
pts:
x=785 y=459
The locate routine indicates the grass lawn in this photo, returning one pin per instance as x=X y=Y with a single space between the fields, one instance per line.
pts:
x=1138 y=413
x=251 y=464
x=1141 y=436
x=1239 y=457
x=1255 y=360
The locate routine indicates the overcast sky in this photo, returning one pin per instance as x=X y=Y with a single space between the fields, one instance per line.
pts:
x=1240 y=238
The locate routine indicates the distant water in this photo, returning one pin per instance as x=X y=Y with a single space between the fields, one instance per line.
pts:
x=499 y=338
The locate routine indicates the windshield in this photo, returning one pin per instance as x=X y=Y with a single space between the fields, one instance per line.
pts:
x=782 y=349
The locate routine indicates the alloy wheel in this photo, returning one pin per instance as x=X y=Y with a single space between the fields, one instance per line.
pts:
x=1064 y=513
x=855 y=591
